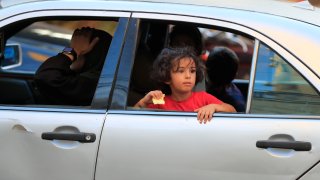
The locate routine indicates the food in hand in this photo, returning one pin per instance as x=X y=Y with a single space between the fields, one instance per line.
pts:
x=158 y=101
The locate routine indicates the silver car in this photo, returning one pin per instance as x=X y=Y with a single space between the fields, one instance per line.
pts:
x=277 y=136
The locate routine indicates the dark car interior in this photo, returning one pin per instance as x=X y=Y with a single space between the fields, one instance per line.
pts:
x=15 y=88
x=152 y=41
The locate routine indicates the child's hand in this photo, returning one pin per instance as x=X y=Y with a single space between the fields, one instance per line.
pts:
x=147 y=99
x=205 y=113
x=157 y=94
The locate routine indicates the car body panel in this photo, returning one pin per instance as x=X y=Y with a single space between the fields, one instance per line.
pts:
x=25 y=151
x=301 y=11
x=27 y=156
x=155 y=146
x=313 y=174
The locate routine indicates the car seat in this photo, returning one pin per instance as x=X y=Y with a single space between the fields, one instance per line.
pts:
x=15 y=91
x=152 y=40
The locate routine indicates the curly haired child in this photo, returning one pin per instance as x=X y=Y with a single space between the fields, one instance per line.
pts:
x=178 y=70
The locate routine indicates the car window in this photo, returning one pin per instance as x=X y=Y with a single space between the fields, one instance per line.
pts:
x=155 y=35
x=280 y=89
x=38 y=41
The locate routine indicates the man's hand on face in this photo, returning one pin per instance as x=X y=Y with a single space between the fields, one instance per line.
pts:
x=80 y=40
x=81 y=44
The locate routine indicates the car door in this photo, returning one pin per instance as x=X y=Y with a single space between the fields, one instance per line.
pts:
x=44 y=141
x=276 y=138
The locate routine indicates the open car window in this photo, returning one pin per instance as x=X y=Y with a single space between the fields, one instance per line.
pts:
x=277 y=88
x=155 y=35
x=39 y=40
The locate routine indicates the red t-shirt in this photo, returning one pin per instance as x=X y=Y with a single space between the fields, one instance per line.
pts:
x=195 y=101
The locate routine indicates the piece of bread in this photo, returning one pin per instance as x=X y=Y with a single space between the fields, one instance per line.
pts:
x=158 y=101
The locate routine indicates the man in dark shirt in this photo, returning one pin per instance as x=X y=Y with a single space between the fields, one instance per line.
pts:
x=71 y=77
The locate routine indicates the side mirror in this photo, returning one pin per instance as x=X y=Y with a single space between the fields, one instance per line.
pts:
x=11 y=56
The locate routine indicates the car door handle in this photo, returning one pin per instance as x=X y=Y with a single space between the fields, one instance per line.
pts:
x=81 y=137
x=295 y=145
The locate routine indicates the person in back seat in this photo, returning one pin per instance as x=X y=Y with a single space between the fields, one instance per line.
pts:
x=71 y=77
x=222 y=66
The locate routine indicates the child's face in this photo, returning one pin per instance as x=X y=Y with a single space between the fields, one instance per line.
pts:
x=183 y=75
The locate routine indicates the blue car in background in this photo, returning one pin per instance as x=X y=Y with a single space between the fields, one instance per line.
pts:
x=38 y=43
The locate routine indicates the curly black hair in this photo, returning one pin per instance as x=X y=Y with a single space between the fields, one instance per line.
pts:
x=163 y=65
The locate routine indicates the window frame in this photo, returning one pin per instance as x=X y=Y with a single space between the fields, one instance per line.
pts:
x=121 y=89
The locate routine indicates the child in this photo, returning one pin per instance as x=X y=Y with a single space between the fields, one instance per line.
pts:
x=178 y=70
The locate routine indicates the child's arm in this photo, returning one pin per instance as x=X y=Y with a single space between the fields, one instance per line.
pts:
x=147 y=99
x=205 y=113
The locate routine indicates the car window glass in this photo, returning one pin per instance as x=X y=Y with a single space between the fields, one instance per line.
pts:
x=280 y=89
x=37 y=42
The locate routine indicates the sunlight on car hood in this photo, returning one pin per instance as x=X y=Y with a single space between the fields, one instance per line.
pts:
x=37 y=56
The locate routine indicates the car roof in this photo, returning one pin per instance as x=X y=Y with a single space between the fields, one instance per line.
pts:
x=296 y=36
x=295 y=9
